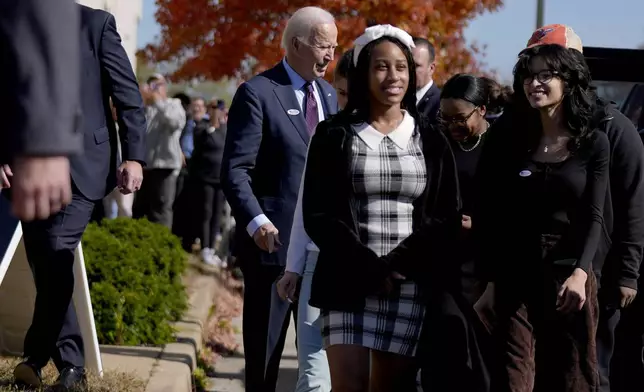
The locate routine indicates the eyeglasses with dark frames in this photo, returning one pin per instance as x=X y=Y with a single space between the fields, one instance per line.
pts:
x=456 y=120
x=544 y=76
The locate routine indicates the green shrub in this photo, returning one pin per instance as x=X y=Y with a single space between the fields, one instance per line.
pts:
x=134 y=269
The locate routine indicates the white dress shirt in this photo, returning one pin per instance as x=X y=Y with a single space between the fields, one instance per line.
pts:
x=421 y=93
x=298 y=88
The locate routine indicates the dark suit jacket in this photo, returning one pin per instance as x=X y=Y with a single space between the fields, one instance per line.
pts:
x=39 y=82
x=106 y=72
x=430 y=103
x=264 y=156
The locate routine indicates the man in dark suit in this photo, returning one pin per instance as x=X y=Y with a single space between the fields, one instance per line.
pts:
x=39 y=87
x=271 y=120
x=427 y=94
x=50 y=244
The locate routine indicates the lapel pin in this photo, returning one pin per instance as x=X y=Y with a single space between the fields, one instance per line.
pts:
x=293 y=112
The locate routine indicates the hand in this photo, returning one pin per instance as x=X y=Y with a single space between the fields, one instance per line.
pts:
x=5 y=175
x=626 y=296
x=397 y=276
x=466 y=222
x=572 y=295
x=145 y=93
x=41 y=186
x=267 y=238
x=129 y=177
x=286 y=286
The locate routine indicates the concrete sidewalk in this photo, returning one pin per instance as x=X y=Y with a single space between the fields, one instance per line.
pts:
x=169 y=368
x=230 y=370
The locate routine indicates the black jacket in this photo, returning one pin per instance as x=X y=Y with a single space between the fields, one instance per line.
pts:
x=430 y=103
x=205 y=162
x=624 y=210
x=106 y=73
x=347 y=270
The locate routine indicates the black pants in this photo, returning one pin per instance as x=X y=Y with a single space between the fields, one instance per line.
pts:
x=211 y=200
x=265 y=324
x=609 y=315
x=50 y=244
x=627 y=367
x=454 y=345
x=156 y=197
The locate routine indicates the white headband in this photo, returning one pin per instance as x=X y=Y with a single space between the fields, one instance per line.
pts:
x=374 y=32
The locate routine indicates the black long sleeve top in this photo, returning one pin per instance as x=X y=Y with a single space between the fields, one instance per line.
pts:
x=526 y=200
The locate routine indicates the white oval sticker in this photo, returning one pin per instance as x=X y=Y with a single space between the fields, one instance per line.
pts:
x=293 y=112
x=525 y=173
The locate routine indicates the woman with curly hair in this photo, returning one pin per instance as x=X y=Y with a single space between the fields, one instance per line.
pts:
x=540 y=225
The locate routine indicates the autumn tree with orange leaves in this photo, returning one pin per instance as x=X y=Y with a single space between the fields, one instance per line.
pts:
x=221 y=38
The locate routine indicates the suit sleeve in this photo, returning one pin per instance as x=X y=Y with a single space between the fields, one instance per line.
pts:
x=243 y=139
x=39 y=78
x=125 y=93
x=627 y=187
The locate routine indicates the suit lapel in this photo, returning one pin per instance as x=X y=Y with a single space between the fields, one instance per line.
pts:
x=330 y=107
x=286 y=97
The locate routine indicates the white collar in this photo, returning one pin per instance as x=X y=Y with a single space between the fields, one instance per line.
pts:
x=423 y=90
x=400 y=136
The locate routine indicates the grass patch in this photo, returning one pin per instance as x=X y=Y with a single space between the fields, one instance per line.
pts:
x=111 y=381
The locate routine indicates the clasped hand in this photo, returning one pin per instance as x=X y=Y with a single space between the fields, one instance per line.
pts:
x=572 y=295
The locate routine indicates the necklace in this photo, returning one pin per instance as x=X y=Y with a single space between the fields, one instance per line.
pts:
x=478 y=141
x=479 y=137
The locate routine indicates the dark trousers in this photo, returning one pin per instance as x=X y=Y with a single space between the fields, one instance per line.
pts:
x=609 y=315
x=211 y=202
x=454 y=344
x=156 y=197
x=540 y=349
x=50 y=244
x=627 y=368
x=265 y=323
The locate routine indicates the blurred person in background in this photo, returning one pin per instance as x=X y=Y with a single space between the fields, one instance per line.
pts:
x=499 y=98
x=313 y=369
x=50 y=243
x=427 y=93
x=341 y=78
x=39 y=96
x=165 y=121
x=203 y=182
x=182 y=226
x=271 y=120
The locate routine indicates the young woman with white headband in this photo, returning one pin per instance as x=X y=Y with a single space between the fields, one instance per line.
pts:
x=381 y=201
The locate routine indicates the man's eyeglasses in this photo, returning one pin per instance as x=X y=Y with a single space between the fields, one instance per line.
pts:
x=455 y=120
x=544 y=76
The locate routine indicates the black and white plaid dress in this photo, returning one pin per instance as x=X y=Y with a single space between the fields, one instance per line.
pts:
x=388 y=173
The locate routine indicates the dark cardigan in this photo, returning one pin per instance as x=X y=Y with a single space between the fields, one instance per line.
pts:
x=347 y=270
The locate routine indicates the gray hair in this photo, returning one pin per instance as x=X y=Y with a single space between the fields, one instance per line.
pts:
x=301 y=23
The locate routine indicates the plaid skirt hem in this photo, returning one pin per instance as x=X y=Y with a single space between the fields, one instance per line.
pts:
x=388 y=323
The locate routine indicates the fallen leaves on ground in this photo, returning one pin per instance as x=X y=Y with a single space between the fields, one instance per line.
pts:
x=221 y=333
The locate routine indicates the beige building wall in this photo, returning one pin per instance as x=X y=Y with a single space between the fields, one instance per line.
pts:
x=128 y=15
